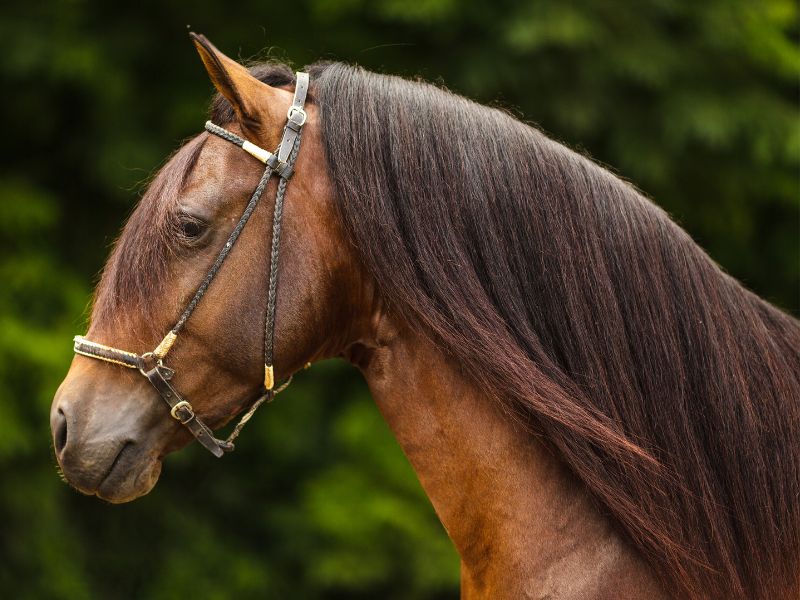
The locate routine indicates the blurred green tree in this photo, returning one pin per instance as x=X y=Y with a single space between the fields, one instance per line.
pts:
x=695 y=102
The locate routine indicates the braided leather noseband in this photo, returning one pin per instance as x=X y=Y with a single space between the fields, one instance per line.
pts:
x=151 y=364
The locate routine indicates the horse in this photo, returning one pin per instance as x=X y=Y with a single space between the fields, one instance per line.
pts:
x=594 y=408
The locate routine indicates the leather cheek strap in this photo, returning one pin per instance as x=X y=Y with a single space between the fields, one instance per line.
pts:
x=182 y=411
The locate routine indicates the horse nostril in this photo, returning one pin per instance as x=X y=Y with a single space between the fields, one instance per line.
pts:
x=60 y=431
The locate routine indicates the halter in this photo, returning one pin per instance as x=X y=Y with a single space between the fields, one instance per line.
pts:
x=151 y=364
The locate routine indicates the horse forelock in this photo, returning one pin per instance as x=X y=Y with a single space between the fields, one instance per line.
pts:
x=134 y=275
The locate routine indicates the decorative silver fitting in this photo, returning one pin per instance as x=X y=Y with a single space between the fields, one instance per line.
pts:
x=297 y=110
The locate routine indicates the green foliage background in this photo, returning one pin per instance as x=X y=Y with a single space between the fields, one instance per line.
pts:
x=695 y=102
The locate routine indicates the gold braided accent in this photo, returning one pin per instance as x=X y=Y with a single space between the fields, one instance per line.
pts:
x=269 y=377
x=164 y=346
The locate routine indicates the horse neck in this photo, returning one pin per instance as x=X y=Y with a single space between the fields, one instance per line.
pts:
x=522 y=523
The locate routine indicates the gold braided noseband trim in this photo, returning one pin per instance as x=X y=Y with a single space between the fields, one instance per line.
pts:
x=79 y=341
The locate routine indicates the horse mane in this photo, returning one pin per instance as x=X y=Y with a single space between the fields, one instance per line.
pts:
x=671 y=391
x=136 y=270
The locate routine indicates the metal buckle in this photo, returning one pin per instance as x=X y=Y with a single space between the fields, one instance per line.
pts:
x=149 y=361
x=179 y=406
x=293 y=110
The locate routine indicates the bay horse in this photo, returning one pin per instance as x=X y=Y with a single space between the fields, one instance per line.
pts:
x=594 y=408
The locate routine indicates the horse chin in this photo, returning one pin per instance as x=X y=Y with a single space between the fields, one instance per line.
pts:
x=129 y=483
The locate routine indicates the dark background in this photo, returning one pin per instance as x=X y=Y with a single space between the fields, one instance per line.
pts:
x=696 y=102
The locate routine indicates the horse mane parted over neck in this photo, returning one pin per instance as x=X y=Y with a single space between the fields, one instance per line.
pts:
x=671 y=391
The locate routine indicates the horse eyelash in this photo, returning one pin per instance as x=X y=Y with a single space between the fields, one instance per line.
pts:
x=185 y=219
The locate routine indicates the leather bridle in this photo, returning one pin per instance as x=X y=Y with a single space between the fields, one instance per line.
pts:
x=151 y=364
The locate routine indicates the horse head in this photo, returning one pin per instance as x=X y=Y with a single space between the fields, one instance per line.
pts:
x=110 y=427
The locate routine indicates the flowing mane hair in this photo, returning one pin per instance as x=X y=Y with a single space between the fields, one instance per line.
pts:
x=671 y=391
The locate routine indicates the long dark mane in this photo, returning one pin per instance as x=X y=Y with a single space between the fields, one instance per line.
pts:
x=668 y=388
x=671 y=391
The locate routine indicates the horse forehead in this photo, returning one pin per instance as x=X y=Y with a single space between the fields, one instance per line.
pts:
x=222 y=172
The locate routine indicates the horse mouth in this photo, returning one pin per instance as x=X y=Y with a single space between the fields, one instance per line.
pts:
x=129 y=476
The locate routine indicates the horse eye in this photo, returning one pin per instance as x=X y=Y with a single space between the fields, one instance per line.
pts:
x=191 y=227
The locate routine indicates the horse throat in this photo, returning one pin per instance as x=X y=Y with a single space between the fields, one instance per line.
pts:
x=522 y=523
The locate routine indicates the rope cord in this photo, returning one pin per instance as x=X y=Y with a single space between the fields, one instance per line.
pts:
x=268 y=397
x=277 y=219
x=224 y=133
x=269 y=327
x=223 y=253
x=272 y=294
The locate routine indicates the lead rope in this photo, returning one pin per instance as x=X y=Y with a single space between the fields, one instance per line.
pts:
x=268 y=397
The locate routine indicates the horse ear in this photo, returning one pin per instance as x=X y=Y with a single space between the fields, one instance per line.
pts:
x=249 y=97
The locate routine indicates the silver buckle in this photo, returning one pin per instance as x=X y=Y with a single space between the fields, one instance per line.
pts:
x=179 y=406
x=293 y=110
